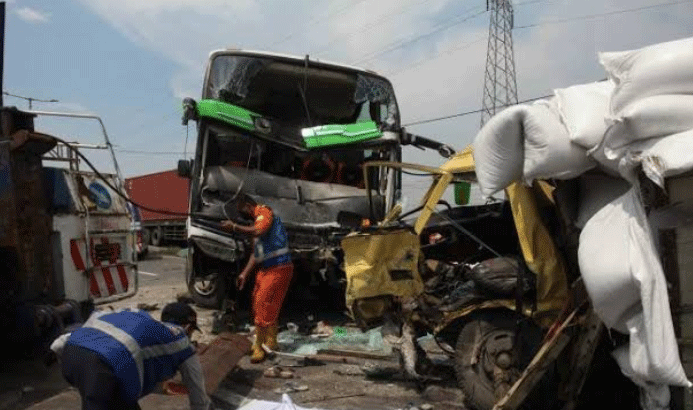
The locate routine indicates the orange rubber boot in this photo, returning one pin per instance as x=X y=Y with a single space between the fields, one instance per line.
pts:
x=257 y=353
x=271 y=340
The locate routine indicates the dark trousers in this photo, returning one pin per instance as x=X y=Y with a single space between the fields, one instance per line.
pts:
x=97 y=385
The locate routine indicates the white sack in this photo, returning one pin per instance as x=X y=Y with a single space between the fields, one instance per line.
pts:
x=650 y=117
x=660 y=157
x=623 y=276
x=665 y=68
x=583 y=110
x=608 y=165
x=603 y=260
x=498 y=150
x=549 y=153
x=595 y=192
x=652 y=396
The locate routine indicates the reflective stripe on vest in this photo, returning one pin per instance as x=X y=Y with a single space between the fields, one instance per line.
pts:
x=139 y=354
x=141 y=350
x=125 y=339
x=275 y=241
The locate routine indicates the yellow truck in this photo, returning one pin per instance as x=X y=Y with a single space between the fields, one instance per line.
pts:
x=497 y=284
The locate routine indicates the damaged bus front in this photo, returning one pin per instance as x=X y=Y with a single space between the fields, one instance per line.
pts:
x=294 y=134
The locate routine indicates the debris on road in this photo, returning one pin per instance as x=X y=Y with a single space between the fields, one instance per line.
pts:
x=242 y=403
x=342 y=340
x=149 y=307
x=349 y=370
x=220 y=357
x=290 y=387
x=278 y=372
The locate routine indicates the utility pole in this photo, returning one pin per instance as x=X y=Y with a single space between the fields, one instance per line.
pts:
x=500 y=84
x=30 y=99
x=2 y=46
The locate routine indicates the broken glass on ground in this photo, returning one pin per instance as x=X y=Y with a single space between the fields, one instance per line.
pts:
x=342 y=339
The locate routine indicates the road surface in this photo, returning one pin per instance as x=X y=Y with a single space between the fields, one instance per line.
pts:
x=31 y=385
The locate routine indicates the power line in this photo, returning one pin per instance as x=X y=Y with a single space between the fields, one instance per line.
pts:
x=30 y=99
x=404 y=42
x=374 y=24
x=595 y=16
x=317 y=19
x=462 y=114
x=426 y=60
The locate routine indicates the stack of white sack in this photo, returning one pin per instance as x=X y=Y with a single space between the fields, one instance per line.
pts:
x=650 y=114
x=648 y=122
x=524 y=143
x=583 y=109
x=623 y=276
x=641 y=116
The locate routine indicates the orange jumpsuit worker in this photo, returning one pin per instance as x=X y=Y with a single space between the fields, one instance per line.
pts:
x=273 y=277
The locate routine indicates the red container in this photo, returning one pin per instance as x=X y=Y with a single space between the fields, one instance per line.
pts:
x=162 y=190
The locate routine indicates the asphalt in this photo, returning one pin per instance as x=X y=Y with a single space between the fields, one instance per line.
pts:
x=32 y=385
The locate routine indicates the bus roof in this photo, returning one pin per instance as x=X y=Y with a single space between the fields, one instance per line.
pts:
x=293 y=58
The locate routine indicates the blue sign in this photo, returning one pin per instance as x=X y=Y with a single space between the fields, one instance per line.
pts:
x=100 y=195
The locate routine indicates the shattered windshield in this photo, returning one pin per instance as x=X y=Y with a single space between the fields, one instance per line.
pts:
x=301 y=94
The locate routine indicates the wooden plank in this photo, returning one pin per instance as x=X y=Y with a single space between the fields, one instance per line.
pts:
x=355 y=353
x=536 y=369
x=587 y=341
x=220 y=357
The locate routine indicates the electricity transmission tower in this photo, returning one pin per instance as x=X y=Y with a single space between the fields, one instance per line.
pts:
x=500 y=84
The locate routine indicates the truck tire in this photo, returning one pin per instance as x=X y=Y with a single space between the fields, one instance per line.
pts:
x=157 y=236
x=493 y=348
x=207 y=289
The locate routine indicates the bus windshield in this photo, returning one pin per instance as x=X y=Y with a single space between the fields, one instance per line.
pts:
x=301 y=94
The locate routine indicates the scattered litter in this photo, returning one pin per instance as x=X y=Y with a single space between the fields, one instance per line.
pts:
x=278 y=372
x=322 y=329
x=377 y=371
x=350 y=339
x=426 y=406
x=349 y=370
x=242 y=403
x=290 y=387
x=148 y=306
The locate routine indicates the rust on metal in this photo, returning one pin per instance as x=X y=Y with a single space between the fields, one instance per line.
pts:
x=25 y=219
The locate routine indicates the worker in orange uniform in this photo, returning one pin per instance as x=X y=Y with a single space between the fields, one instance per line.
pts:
x=273 y=276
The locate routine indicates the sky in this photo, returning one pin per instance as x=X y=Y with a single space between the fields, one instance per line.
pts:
x=132 y=61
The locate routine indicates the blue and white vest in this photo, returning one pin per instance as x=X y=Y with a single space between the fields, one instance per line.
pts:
x=140 y=350
x=272 y=248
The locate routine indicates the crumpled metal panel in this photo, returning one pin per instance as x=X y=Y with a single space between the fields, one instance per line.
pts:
x=299 y=203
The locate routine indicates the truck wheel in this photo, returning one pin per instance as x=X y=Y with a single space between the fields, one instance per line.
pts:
x=209 y=290
x=493 y=348
x=157 y=236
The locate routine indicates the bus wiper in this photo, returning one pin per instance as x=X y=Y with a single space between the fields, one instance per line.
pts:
x=304 y=90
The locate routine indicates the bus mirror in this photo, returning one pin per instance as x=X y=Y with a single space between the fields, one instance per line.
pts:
x=185 y=168
x=462 y=192
x=189 y=110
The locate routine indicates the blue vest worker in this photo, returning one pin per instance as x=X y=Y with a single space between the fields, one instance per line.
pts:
x=116 y=358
